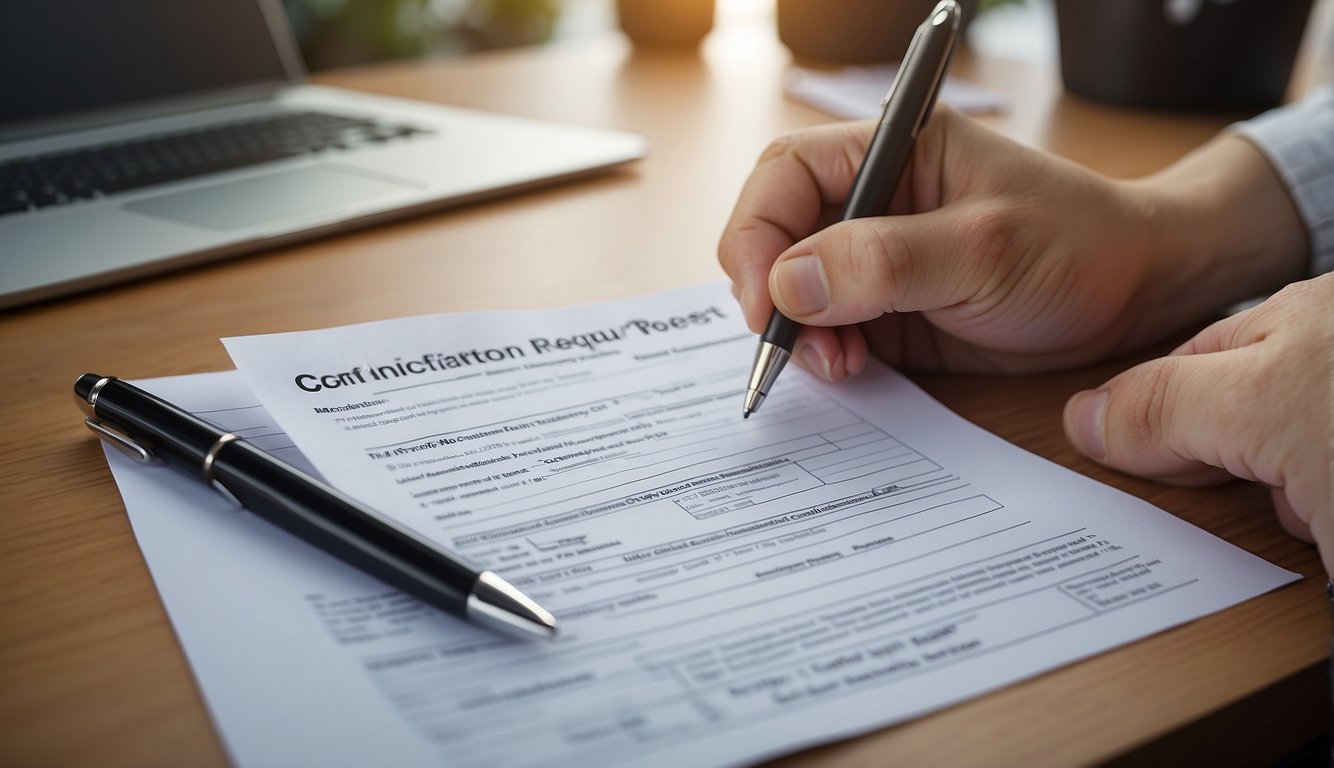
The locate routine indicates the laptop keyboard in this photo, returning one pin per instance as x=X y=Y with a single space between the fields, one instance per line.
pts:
x=65 y=177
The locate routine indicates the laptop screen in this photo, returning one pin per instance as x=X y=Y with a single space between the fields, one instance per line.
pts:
x=68 y=56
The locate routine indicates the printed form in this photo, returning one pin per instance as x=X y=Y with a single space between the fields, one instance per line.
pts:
x=852 y=556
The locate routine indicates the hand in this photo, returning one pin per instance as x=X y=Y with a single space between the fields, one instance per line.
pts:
x=1251 y=396
x=1000 y=258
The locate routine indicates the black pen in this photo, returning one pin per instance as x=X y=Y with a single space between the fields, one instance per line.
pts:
x=908 y=104
x=148 y=427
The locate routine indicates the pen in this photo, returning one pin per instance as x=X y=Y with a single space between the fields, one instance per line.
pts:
x=147 y=427
x=908 y=104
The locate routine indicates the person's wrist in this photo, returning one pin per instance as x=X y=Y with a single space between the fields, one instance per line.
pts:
x=1222 y=229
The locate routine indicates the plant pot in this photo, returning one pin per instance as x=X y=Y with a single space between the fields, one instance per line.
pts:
x=1181 y=54
x=665 y=22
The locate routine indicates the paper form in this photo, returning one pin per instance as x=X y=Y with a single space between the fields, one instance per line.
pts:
x=855 y=93
x=852 y=556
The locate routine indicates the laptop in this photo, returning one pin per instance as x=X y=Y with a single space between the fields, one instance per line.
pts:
x=138 y=136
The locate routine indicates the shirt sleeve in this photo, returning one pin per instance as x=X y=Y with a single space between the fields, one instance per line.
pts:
x=1298 y=139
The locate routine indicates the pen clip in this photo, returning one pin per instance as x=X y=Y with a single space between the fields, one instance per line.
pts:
x=898 y=75
x=121 y=441
x=207 y=469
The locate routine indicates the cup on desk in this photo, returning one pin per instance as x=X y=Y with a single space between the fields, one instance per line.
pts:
x=665 y=22
x=854 y=31
x=1181 y=54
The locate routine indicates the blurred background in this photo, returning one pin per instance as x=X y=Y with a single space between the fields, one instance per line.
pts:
x=339 y=33
x=1192 y=54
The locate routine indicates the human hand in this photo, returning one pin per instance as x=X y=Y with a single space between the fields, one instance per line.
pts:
x=1251 y=395
x=1000 y=258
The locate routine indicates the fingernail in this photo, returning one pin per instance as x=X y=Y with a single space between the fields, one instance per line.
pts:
x=816 y=362
x=801 y=285
x=1087 y=414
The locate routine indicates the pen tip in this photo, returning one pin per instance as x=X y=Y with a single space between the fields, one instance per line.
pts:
x=752 y=402
x=497 y=603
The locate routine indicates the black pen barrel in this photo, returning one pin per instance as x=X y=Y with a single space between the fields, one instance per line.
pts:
x=913 y=95
x=886 y=157
x=312 y=511
x=282 y=494
x=781 y=331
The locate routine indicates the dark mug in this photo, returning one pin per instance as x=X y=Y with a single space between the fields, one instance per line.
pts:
x=1181 y=54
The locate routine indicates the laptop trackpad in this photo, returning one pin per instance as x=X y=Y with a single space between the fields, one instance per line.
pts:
x=298 y=193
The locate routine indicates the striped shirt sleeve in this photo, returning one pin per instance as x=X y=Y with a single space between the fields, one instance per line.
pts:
x=1299 y=141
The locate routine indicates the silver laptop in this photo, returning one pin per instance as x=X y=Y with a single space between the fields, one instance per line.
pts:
x=138 y=136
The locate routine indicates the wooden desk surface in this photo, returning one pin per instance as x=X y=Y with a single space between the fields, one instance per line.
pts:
x=90 y=671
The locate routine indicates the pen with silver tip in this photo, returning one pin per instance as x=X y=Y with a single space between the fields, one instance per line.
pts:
x=907 y=106
x=147 y=427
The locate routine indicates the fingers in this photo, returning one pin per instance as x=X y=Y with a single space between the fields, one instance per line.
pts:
x=856 y=271
x=1288 y=517
x=795 y=184
x=833 y=354
x=1249 y=394
x=1228 y=333
x=859 y=269
x=1187 y=419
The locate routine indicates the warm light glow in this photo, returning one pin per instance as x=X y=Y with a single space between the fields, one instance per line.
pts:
x=730 y=10
x=743 y=30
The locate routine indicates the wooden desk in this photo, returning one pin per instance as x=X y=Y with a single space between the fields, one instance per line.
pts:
x=90 y=672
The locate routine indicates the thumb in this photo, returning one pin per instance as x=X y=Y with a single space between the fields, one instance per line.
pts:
x=1176 y=419
x=859 y=270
